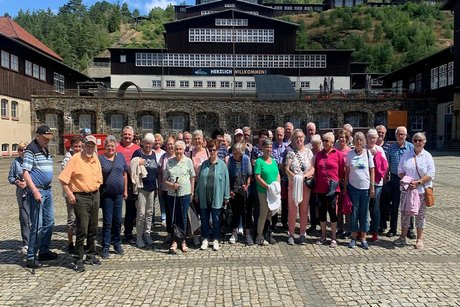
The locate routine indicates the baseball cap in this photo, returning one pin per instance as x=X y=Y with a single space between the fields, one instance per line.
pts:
x=90 y=138
x=45 y=131
x=238 y=131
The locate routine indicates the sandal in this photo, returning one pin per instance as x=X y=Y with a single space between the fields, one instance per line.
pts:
x=419 y=244
x=321 y=241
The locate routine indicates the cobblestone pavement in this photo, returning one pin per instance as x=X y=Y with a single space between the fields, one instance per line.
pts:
x=238 y=275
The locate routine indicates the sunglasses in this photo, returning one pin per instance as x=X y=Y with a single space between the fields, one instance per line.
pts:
x=212 y=149
x=418 y=141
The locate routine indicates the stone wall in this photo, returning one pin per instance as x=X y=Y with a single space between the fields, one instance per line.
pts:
x=209 y=113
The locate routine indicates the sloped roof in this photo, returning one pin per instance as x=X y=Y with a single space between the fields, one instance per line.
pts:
x=11 y=29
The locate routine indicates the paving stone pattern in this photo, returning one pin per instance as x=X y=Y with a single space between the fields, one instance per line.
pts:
x=238 y=275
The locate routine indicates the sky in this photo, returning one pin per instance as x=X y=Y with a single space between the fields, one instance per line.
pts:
x=12 y=7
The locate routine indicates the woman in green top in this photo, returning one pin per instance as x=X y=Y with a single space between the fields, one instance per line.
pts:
x=266 y=172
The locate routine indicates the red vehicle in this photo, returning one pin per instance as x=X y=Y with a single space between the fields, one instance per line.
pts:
x=100 y=139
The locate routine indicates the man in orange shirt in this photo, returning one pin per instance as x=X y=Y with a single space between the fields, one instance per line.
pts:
x=81 y=179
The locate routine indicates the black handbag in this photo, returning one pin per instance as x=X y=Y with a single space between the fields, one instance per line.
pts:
x=226 y=216
x=310 y=182
x=333 y=185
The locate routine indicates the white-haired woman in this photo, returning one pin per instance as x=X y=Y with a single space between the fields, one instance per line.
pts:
x=146 y=199
x=113 y=190
x=417 y=164
x=380 y=170
x=359 y=183
x=299 y=166
x=159 y=152
x=179 y=177
x=15 y=177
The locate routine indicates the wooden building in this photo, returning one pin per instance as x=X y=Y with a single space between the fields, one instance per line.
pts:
x=220 y=46
x=27 y=67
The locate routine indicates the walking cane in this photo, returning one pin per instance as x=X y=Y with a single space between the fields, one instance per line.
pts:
x=36 y=237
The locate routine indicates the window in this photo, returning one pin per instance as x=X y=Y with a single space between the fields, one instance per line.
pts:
x=156 y=83
x=147 y=122
x=443 y=75
x=5 y=59
x=197 y=83
x=84 y=121
x=178 y=122
x=42 y=73
x=418 y=83
x=305 y=84
x=450 y=73
x=14 y=109
x=184 y=84
x=123 y=58
x=116 y=122
x=225 y=84
x=36 y=71
x=450 y=109
x=231 y=22
x=238 y=84
x=51 y=120
x=170 y=83
x=210 y=83
x=217 y=35
x=324 y=122
x=353 y=119
x=14 y=64
x=5 y=148
x=250 y=84
x=417 y=123
x=293 y=83
x=28 y=68
x=58 y=83
x=434 y=78
x=4 y=108
x=14 y=147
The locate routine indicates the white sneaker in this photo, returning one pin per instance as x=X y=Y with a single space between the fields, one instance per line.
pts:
x=215 y=245
x=240 y=231
x=234 y=238
x=204 y=244
x=24 y=250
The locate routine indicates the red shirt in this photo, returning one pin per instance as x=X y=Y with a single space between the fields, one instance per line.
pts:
x=335 y=169
x=127 y=151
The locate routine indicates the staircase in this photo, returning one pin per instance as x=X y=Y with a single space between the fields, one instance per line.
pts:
x=453 y=145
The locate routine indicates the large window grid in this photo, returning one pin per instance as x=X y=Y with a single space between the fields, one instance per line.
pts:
x=58 y=83
x=229 y=35
x=237 y=22
x=147 y=122
x=229 y=60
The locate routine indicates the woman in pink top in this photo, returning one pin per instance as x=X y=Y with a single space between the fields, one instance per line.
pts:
x=343 y=219
x=329 y=165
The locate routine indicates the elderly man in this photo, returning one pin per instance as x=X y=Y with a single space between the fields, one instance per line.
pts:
x=81 y=179
x=278 y=153
x=288 y=128
x=126 y=147
x=38 y=174
x=247 y=139
x=311 y=131
x=188 y=141
x=395 y=152
x=385 y=198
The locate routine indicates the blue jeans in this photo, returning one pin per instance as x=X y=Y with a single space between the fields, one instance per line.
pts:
x=180 y=216
x=45 y=211
x=162 y=201
x=360 y=200
x=374 y=209
x=111 y=216
x=215 y=214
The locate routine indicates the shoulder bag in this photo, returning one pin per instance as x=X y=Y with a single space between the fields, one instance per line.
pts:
x=429 y=197
x=333 y=185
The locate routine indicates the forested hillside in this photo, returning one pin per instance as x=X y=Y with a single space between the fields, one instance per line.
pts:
x=386 y=37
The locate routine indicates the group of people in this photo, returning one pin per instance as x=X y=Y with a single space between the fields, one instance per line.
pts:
x=197 y=181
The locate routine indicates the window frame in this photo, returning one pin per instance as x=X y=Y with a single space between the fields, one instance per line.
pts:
x=116 y=122
x=4 y=108
x=14 y=109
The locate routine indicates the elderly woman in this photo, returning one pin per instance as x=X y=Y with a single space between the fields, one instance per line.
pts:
x=212 y=189
x=159 y=152
x=299 y=166
x=266 y=172
x=343 y=219
x=359 y=184
x=113 y=190
x=179 y=177
x=329 y=166
x=380 y=169
x=145 y=156
x=316 y=146
x=417 y=164
x=163 y=194
x=240 y=173
x=15 y=177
